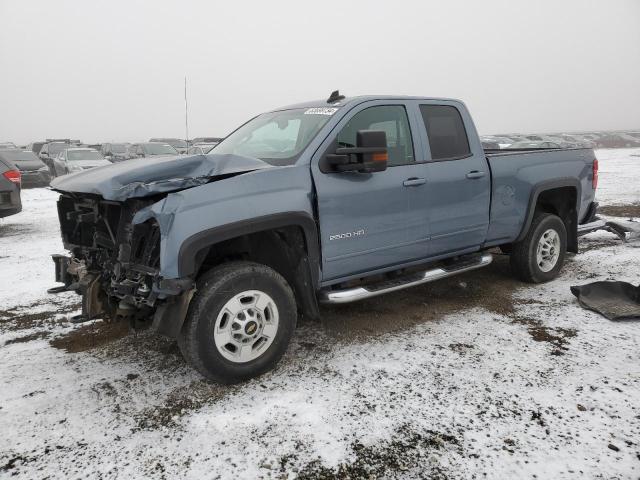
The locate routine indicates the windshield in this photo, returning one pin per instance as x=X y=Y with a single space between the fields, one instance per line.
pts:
x=75 y=155
x=159 y=149
x=19 y=155
x=276 y=137
x=56 y=148
x=119 y=147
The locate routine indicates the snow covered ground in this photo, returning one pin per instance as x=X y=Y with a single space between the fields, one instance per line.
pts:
x=477 y=376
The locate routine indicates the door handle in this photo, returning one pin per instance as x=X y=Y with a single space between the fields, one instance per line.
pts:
x=475 y=174
x=414 y=182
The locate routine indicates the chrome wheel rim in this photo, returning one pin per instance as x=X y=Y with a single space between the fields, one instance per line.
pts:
x=246 y=326
x=548 y=250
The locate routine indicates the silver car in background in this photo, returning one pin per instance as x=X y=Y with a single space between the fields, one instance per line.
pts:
x=78 y=159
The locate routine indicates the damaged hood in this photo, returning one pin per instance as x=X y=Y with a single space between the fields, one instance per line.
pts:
x=143 y=177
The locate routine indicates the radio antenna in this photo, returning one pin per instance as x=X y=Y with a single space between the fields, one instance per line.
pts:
x=186 y=112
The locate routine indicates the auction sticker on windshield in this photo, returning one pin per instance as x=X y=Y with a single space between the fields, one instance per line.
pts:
x=320 y=111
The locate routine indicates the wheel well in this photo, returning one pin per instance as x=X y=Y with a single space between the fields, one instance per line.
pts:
x=284 y=249
x=562 y=202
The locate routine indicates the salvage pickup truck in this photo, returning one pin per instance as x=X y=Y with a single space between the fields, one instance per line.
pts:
x=329 y=201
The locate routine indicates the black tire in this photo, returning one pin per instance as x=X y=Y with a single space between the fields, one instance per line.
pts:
x=214 y=289
x=524 y=264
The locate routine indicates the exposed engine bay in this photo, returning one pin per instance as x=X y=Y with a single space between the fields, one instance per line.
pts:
x=115 y=263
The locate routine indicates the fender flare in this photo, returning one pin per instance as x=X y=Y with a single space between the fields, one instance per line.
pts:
x=542 y=187
x=192 y=246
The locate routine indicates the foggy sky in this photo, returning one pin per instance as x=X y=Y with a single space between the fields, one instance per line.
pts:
x=114 y=70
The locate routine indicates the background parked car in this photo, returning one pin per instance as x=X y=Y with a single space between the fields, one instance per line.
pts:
x=490 y=145
x=562 y=142
x=10 y=179
x=35 y=147
x=77 y=159
x=201 y=148
x=528 y=145
x=534 y=138
x=115 y=152
x=152 y=149
x=95 y=146
x=196 y=140
x=578 y=140
x=501 y=140
x=7 y=145
x=618 y=140
x=34 y=173
x=181 y=146
x=51 y=150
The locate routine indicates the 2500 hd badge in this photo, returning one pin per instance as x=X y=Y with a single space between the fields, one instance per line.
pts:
x=340 y=236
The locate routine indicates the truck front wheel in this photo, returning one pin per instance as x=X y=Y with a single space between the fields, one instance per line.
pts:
x=240 y=322
x=540 y=255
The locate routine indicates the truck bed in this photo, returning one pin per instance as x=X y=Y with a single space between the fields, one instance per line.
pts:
x=517 y=174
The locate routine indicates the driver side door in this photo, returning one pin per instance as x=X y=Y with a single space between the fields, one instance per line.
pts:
x=372 y=221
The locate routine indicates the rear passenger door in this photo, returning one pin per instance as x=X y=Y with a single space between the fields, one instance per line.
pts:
x=458 y=179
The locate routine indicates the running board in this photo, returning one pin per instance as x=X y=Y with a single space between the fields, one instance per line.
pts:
x=360 y=293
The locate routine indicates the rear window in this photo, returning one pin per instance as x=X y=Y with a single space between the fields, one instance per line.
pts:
x=56 y=148
x=159 y=149
x=79 y=155
x=445 y=129
x=19 y=156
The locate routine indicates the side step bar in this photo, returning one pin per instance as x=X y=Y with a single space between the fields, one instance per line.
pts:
x=360 y=293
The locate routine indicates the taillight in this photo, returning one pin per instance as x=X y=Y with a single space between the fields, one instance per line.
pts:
x=594 y=183
x=13 y=176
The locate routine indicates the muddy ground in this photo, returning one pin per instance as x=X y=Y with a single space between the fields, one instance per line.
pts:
x=627 y=211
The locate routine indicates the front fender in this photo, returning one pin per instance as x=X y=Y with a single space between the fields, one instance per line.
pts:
x=194 y=219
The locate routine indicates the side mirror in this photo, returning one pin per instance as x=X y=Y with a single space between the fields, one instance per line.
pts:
x=368 y=156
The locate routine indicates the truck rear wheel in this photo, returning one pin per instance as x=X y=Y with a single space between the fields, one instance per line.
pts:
x=540 y=255
x=239 y=323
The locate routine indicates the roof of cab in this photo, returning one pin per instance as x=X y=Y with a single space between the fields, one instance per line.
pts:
x=358 y=99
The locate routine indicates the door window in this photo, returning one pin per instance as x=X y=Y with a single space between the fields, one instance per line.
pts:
x=445 y=130
x=392 y=119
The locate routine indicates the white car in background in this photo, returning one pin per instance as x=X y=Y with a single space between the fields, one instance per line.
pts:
x=78 y=159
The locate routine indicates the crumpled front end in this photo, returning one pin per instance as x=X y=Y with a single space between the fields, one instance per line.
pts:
x=114 y=263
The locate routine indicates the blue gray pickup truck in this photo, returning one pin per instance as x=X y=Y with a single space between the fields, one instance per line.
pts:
x=329 y=201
